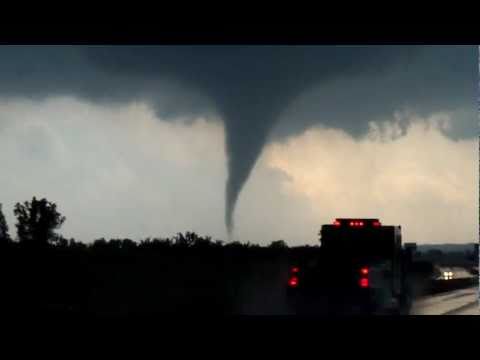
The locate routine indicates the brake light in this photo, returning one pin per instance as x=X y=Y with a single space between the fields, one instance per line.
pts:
x=340 y=222
x=295 y=269
x=364 y=283
x=293 y=282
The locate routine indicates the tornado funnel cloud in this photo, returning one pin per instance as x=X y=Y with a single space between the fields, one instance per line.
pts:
x=239 y=170
x=249 y=86
x=245 y=139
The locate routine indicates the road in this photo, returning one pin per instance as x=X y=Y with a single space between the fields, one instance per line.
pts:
x=263 y=293
x=458 y=302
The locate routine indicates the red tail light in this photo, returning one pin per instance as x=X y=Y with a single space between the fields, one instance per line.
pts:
x=293 y=282
x=364 y=283
x=340 y=222
x=364 y=271
x=295 y=269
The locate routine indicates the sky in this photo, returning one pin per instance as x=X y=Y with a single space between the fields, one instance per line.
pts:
x=249 y=143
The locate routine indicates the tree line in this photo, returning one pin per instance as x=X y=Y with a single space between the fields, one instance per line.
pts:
x=37 y=223
x=183 y=273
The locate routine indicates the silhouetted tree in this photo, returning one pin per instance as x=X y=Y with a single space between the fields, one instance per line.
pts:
x=99 y=244
x=59 y=241
x=203 y=242
x=36 y=221
x=235 y=245
x=4 y=236
x=115 y=244
x=155 y=243
x=72 y=244
x=190 y=239
x=121 y=244
x=278 y=244
x=129 y=245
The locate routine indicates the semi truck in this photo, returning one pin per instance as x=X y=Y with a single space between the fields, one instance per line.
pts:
x=360 y=267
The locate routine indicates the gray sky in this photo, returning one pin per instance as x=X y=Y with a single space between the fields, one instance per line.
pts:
x=140 y=141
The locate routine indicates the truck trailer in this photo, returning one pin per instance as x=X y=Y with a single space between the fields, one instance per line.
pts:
x=360 y=267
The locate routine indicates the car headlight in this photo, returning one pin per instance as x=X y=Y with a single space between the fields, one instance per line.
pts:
x=448 y=275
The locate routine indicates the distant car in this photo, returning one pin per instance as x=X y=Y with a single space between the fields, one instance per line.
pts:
x=447 y=275
x=443 y=273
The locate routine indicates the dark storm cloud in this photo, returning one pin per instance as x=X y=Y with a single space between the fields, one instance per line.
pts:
x=251 y=87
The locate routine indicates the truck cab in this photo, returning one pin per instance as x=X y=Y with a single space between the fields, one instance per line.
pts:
x=360 y=268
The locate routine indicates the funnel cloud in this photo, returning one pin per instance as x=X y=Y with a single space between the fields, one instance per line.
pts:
x=252 y=88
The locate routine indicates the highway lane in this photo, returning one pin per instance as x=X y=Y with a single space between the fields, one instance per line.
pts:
x=263 y=293
x=458 y=302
